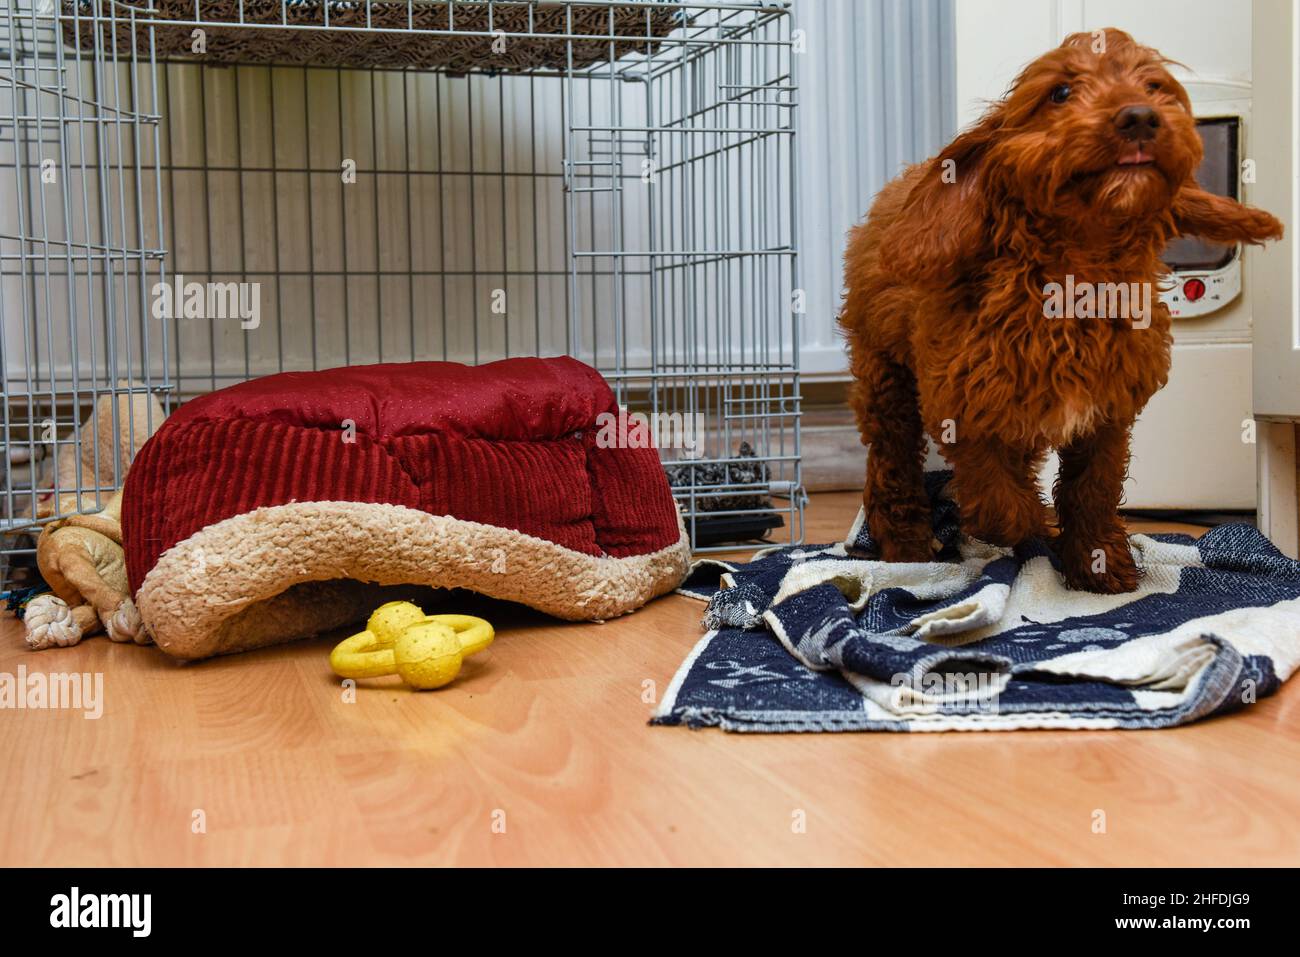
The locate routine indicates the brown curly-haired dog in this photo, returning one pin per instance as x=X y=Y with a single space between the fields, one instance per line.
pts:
x=1081 y=174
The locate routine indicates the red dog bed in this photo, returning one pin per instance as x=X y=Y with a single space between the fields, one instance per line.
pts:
x=288 y=505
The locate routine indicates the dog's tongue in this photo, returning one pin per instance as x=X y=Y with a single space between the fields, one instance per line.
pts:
x=1135 y=157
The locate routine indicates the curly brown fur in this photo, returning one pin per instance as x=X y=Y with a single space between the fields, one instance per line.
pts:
x=1086 y=169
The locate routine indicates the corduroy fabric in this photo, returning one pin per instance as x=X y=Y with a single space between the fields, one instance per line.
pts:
x=510 y=444
x=628 y=520
x=540 y=488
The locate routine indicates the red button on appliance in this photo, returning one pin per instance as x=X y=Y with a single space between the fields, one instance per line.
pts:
x=1193 y=290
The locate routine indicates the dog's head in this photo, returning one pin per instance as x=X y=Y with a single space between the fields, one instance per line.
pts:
x=1096 y=134
x=1098 y=126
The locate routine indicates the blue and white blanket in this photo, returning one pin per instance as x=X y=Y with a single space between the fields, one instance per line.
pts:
x=814 y=638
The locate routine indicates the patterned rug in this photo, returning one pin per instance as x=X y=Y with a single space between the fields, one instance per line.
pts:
x=817 y=638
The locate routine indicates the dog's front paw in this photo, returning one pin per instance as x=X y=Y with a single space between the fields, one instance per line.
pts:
x=1106 y=566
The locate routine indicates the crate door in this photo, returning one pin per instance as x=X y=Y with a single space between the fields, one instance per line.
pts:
x=80 y=249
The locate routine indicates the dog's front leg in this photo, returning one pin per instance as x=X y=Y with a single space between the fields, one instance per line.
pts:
x=1222 y=220
x=1093 y=544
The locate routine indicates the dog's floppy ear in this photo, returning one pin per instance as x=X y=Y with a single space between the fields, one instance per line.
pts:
x=1220 y=219
x=943 y=226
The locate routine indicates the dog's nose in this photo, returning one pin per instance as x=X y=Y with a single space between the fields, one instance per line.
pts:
x=1137 y=123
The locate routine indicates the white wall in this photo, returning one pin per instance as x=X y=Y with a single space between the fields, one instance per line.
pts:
x=876 y=91
x=995 y=38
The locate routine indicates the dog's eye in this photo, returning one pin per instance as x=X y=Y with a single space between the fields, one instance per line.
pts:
x=1154 y=87
x=1060 y=93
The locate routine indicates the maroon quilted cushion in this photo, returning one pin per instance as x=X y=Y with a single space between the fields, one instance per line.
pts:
x=511 y=445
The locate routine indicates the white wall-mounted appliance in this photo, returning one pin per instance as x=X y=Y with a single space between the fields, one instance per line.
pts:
x=1205 y=276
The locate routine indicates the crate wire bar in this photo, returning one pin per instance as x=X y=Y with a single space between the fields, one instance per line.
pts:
x=78 y=252
x=634 y=208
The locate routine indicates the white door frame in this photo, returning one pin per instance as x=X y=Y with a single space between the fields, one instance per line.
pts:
x=1279 y=502
x=1276 y=272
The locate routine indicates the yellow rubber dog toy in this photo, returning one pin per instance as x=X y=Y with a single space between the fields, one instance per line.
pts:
x=426 y=651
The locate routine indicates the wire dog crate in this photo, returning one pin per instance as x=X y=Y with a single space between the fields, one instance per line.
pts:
x=203 y=191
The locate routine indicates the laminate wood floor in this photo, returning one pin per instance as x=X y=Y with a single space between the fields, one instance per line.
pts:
x=540 y=754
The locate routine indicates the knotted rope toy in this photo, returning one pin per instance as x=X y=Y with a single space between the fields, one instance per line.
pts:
x=82 y=560
x=426 y=651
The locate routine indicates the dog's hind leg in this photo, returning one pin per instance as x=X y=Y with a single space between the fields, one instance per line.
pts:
x=996 y=488
x=885 y=400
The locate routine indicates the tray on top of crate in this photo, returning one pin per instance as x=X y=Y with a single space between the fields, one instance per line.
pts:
x=383 y=33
